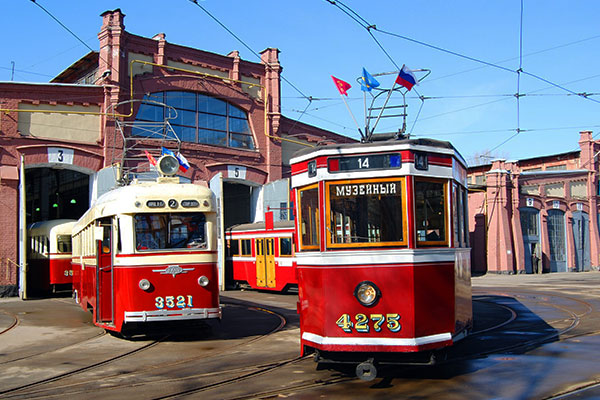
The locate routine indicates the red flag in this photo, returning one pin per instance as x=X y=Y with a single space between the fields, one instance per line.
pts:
x=341 y=85
x=150 y=158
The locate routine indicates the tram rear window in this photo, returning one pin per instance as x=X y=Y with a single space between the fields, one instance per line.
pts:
x=368 y=212
x=170 y=231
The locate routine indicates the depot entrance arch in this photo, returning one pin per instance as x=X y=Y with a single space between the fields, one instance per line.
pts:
x=55 y=193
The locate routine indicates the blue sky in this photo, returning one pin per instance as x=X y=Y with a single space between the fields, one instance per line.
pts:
x=471 y=104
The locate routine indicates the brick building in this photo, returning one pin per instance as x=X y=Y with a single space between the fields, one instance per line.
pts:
x=538 y=214
x=59 y=138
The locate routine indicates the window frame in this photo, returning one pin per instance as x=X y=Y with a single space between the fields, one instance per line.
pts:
x=280 y=247
x=447 y=213
x=403 y=212
x=231 y=112
x=301 y=215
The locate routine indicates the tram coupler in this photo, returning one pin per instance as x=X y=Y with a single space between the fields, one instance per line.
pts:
x=366 y=370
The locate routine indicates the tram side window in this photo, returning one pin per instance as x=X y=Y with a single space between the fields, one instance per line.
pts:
x=465 y=205
x=170 y=231
x=430 y=212
x=366 y=211
x=285 y=246
x=246 y=247
x=309 y=217
x=234 y=247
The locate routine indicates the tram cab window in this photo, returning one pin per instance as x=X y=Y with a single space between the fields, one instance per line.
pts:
x=63 y=243
x=309 y=217
x=170 y=231
x=368 y=212
x=246 y=247
x=430 y=212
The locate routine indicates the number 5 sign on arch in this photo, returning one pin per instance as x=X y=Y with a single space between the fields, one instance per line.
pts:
x=236 y=171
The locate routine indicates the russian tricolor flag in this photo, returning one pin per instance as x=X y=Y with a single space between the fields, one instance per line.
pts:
x=406 y=78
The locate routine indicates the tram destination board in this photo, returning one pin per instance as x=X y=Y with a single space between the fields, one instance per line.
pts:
x=364 y=162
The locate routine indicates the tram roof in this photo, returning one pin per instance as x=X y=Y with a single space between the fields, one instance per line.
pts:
x=123 y=200
x=385 y=145
x=46 y=226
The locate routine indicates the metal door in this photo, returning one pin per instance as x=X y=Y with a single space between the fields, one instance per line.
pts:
x=557 y=240
x=265 y=262
x=581 y=237
x=104 y=275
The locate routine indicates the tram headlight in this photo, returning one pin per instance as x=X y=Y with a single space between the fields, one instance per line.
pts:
x=145 y=284
x=168 y=165
x=203 y=281
x=367 y=293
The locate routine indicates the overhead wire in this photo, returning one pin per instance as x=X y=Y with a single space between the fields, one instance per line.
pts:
x=247 y=47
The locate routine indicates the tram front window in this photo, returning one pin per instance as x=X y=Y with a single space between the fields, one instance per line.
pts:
x=367 y=212
x=170 y=231
x=309 y=217
x=430 y=211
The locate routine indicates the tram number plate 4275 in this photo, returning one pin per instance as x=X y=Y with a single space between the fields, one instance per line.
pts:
x=363 y=323
x=173 y=302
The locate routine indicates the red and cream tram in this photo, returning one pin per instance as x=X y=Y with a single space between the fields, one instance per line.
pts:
x=49 y=255
x=383 y=260
x=146 y=252
x=261 y=255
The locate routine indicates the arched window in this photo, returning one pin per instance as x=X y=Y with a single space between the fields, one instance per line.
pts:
x=200 y=119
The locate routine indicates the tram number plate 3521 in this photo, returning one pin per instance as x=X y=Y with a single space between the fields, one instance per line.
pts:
x=173 y=302
x=363 y=323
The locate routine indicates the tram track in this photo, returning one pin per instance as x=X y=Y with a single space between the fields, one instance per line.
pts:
x=79 y=388
x=13 y=324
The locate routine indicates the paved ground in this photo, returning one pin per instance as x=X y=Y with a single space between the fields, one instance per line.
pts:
x=549 y=345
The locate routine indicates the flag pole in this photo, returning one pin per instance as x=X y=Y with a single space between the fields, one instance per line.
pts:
x=353 y=118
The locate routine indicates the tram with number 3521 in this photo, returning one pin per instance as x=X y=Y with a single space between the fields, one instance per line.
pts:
x=146 y=253
x=383 y=259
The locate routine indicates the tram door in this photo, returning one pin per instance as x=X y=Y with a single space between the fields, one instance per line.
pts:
x=104 y=277
x=265 y=262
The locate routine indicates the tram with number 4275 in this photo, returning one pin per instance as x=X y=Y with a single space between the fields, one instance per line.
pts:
x=383 y=259
x=146 y=253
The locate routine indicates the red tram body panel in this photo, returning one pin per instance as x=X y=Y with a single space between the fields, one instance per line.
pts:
x=262 y=256
x=49 y=255
x=147 y=253
x=382 y=255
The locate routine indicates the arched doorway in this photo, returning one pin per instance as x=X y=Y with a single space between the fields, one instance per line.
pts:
x=581 y=238
x=557 y=240
x=530 y=218
x=55 y=193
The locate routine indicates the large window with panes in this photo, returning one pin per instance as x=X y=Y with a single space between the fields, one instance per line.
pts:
x=197 y=118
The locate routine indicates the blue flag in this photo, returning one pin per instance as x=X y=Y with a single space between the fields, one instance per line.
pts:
x=367 y=82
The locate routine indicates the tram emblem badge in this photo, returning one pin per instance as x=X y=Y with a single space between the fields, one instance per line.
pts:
x=173 y=270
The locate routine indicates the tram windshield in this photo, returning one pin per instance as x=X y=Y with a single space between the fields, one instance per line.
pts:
x=164 y=231
x=366 y=212
x=63 y=243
